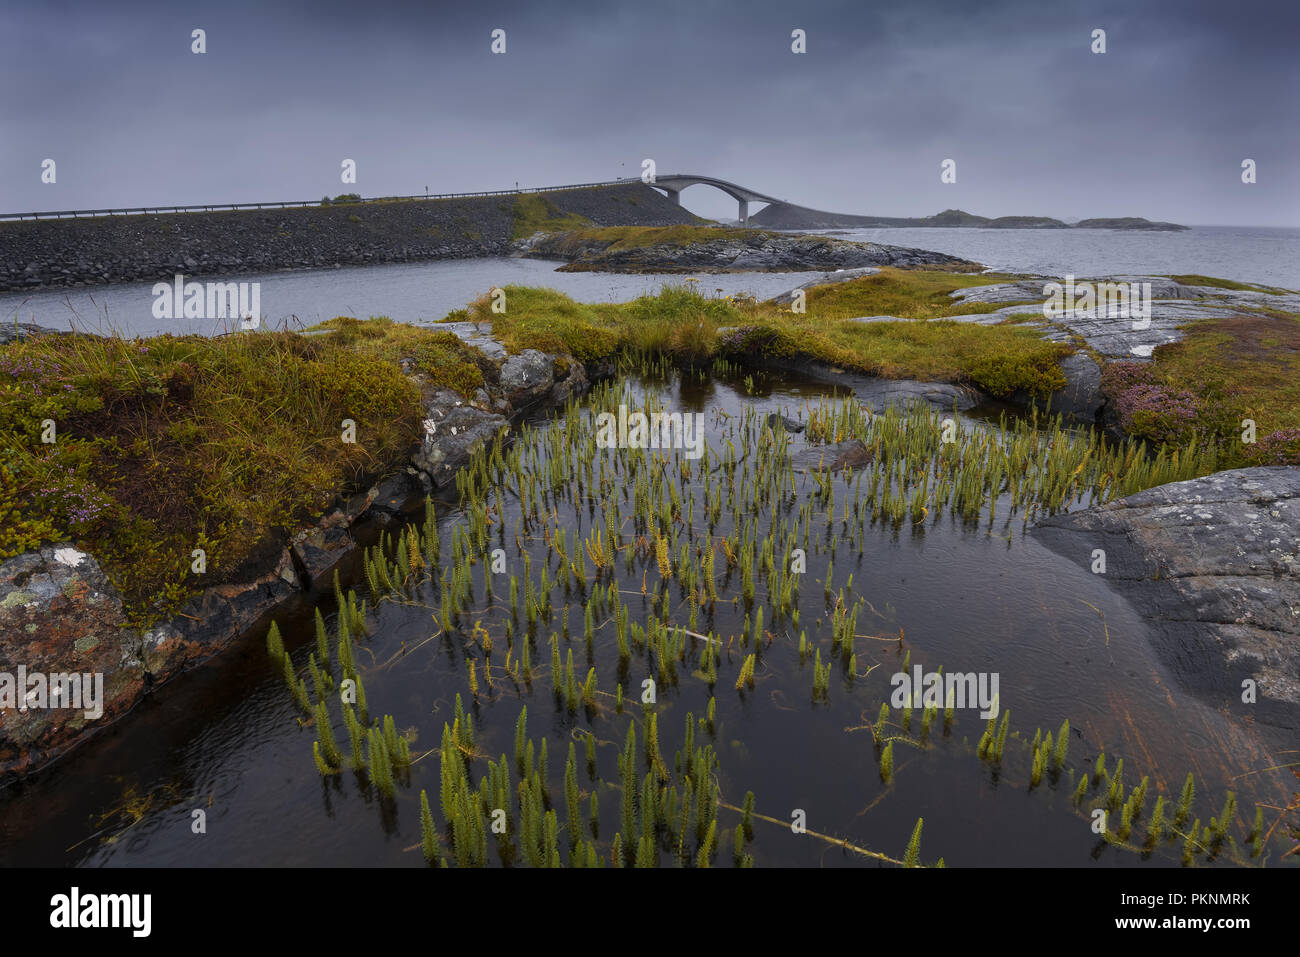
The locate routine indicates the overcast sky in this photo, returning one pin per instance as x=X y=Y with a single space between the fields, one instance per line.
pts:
x=1157 y=126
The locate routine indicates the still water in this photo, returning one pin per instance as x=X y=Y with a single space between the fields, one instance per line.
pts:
x=425 y=292
x=227 y=739
x=406 y=292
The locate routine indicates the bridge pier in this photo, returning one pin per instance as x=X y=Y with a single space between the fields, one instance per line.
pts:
x=674 y=194
x=744 y=212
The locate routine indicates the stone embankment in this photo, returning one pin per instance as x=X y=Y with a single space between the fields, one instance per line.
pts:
x=107 y=249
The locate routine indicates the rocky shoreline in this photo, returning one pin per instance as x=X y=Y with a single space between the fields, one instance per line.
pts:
x=730 y=251
x=1213 y=563
x=60 y=614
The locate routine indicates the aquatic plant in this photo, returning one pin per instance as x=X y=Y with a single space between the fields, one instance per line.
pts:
x=912 y=856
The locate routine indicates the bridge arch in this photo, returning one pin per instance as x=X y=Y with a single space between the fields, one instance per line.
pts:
x=674 y=183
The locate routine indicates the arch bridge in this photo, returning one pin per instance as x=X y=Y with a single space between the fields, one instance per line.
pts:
x=674 y=183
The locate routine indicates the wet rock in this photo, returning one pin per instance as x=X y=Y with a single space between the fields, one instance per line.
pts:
x=833 y=457
x=1081 y=399
x=223 y=612
x=776 y=420
x=571 y=381
x=941 y=396
x=318 y=552
x=452 y=431
x=59 y=614
x=1214 y=565
x=526 y=377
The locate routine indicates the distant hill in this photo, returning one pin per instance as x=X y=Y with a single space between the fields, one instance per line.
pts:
x=787 y=216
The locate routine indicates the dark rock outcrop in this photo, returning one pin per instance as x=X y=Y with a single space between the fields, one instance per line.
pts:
x=733 y=251
x=1214 y=565
x=16 y=331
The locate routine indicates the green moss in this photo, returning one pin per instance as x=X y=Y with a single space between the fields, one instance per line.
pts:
x=169 y=444
x=451 y=363
x=684 y=325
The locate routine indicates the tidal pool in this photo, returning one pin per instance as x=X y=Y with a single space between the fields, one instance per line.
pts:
x=768 y=599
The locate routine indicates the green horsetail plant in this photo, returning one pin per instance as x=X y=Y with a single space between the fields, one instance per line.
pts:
x=297 y=687
x=380 y=763
x=274 y=643
x=1225 y=817
x=326 y=736
x=1126 y=819
x=571 y=795
x=1139 y=796
x=1189 y=843
x=1156 y=826
x=988 y=741
x=645 y=853
x=1185 y=801
x=1038 y=764
x=878 y=729
x=746 y=676
x=1002 y=735
x=911 y=858
x=317 y=679
x=346 y=663
x=616 y=851
x=322 y=765
x=1062 y=746
x=362 y=710
x=355 y=735
x=887 y=763
x=1116 y=793
x=1099 y=769
x=747 y=816
x=706 y=846
x=1081 y=790
x=428 y=834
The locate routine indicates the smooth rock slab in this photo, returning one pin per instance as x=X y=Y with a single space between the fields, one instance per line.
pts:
x=1214 y=565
